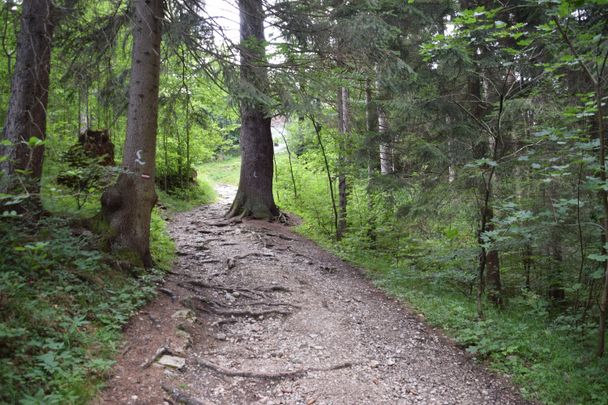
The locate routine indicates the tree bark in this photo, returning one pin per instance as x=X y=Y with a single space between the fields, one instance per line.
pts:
x=254 y=196
x=26 y=116
x=493 y=283
x=371 y=126
x=387 y=165
x=386 y=153
x=343 y=128
x=127 y=205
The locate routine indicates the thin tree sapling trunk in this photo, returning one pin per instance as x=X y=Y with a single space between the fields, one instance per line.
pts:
x=127 y=205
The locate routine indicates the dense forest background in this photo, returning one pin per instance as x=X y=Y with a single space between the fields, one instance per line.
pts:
x=455 y=149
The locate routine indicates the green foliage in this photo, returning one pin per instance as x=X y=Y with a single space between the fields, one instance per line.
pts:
x=419 y=244
x=185 y=199
x=162 y=246
x=222 y=171
x=63 y=306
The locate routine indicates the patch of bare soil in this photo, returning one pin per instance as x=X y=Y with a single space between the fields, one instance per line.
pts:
x=253 y=313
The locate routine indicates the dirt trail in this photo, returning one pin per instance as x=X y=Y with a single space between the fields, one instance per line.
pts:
x=261 y=315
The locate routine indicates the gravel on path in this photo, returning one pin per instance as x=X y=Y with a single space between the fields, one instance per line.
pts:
x=255 y=314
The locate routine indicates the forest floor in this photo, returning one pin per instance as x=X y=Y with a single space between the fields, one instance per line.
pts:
x=254 y=313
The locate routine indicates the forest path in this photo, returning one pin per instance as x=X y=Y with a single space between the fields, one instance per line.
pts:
x=258 y=314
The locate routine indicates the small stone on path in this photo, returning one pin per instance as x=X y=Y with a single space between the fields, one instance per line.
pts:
x=172 y=362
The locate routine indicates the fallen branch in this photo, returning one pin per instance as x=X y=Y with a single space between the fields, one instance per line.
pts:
x=180 y=397
x=268 y=376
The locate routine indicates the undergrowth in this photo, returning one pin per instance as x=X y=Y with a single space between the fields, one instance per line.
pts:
x=181 y=200
x=224 y=171
x=63 y=302
x=428 y=259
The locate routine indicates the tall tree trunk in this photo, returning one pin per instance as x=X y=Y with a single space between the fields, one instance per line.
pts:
x=493 y=283
x=601 y=131
x=451 y=156
x=26 y=116
x=343 y=128
x=371 y=126
x=600 y=124
x=254 y=196
x=127 y=205
x=385 y=145
x=386 y=153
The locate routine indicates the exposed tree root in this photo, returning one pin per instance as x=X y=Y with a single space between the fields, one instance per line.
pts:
x=205 y=301
x=246 y=312
x=246 y=292
x=224 y=322
x=218 y=224
x=268 y=376
x=304 y=256
x=278 y=235
x=214 y=240
x=161 y=351
x=180 y=397
x=275 y=288
x=243 y=291
x=212 y=308
x=260 y=254
x=168 y=292
x=227 y=222
x=272 y=304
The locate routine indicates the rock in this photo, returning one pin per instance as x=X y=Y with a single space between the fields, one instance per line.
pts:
x=220 y=336
x=182 y=342
x=184 y=314
x=374 y=364
x=172 y=362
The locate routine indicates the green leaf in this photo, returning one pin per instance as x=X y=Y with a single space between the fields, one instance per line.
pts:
x=35 y=142
x=597 y=274
x=598 y=257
